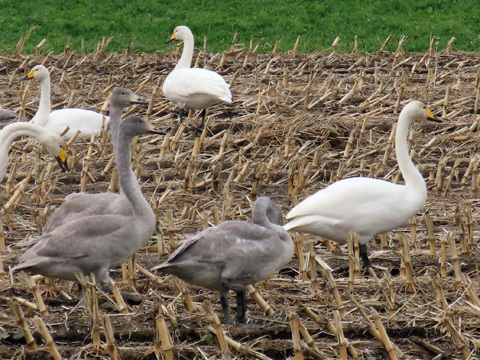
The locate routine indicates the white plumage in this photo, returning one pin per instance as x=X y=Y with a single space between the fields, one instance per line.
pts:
x=53 y=143
x=193 y=88
x=366 y=206
x=88 y=122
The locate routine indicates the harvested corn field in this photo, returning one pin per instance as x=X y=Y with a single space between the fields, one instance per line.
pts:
x=297 y=123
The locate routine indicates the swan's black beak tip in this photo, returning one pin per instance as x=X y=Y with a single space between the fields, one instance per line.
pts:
x=63 y=164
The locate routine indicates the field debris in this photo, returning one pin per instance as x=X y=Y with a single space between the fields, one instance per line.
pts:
x=297 y=123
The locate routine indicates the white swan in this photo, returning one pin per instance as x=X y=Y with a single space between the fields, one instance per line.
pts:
x=78 y=205
x=87 y=121
x=234 y=254
x=193 y=88
x=366 y=206
x=94 y=244
x=53 y=143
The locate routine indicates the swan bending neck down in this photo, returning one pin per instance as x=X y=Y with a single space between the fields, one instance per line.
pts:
x=53 y=143
x=87 y=121
x=366 y=206
x=193 y=88
x=77 y=205
x=234 y=254
x=94 y=244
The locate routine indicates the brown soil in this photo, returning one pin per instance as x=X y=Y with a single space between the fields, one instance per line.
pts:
x=312 y=118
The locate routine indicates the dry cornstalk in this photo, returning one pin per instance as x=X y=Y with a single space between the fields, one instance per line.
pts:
x=164 y=146
x=342 y=345
x=407 y=262
x=255 y=295
x=170 y=228
x=439 y=294
x=327 y=274
x=91 y=301
x=3 y=247
x=413 y=230
x=302 y=265
x=454 y=257
x=294 y=327
x=384 y=337
x=163 y=340
x=353 y=258
x=328 y=325
x=217 y=330
x=241 y=348
x=430 y=233
x=180 y=286
x=457 y=336
x=385 y=294
x=36 y=293
x=22 y=323
x=178 y=136
x=110 y=343
x=86 y=165
x=52 y=349
x=122 y=307
x=312 y=270
x=372 y=327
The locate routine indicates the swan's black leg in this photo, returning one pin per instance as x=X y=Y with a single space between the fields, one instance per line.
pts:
x=181 y=112
x=240 y=290
x=363 y=253
x=203 y=114
x=241 y=306
x=225 y=309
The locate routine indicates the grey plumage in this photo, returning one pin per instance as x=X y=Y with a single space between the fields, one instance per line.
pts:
x=234 y=254
x=94 y=244
x=78 y=205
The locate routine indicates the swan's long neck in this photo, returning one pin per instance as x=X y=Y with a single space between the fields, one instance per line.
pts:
x=413 y=178
x=115 y=121
x=10 y=133
x=128 y=182
x=187 y=52
x=45 y=105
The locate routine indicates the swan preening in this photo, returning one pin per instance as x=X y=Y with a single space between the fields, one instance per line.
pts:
x=87 y=121
x=53 y=143
x=193 y=88
x=94 y=244
x=234 y=254
x=366 y=206
x=77 y=205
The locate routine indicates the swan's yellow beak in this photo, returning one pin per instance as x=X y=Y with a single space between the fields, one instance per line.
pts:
x=62 y=160
x=171 y=38
x=432 y=117
x=29 y=75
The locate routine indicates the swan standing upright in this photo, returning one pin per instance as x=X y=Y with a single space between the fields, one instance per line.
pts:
x=234 y=254
x=366 y=206
x=53 y=143
x=87 y=121
x=193 y=88
x=94 y=244
x=77 y=205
